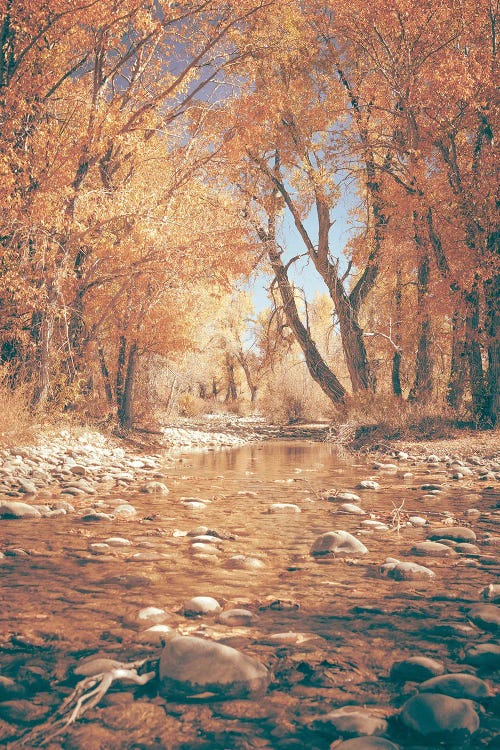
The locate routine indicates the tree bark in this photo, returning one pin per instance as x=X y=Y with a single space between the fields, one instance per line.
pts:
x=396 y=357
x=125 y=405
x=424 y=364
x=46 y=331
x=105 y=374
x=492 y=299
x=318 y=369
x=473 y=348
x=231 y=393
x=458 y=367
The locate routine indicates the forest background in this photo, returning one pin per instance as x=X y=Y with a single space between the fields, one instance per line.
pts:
x=154 y=156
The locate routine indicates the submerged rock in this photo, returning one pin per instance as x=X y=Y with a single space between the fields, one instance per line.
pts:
x=202 y=605
x=337 y=543
x=416 y=669
x=13 y=509
x=155 y=488
x=455 y=533
x=484 y=655
x=486 y=616
x=440 y=717
x=406 y=571
x=367 y=743
x=192 y=666
x=368 y=484
x=350 y=720
x=458 y=685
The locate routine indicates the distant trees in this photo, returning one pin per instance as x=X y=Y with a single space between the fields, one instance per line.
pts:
x=150 y=154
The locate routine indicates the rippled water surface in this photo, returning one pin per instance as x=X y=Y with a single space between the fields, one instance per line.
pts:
x=345 y=623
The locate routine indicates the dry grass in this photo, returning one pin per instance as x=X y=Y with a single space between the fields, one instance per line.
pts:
x=17 y=423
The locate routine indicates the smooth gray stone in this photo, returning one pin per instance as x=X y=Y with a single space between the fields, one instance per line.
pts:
x=350 y=720
x=368 y=484
x=407 y=571
x=202 y=605
x=416 y=669
x=367 y=743
x=486 y=616
x=456 y=533
x=13 y=509
x=155 y=488
x=484 y=655
x=433 y=715
x=458 y=685
x=337 y=543
x=193 y=666
x=433 y=549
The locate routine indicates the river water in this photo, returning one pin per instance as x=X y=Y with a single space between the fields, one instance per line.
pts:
x=328 y=629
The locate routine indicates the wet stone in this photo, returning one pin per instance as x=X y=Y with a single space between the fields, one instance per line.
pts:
x=202 y=605
x=13 y=509
x=353 y=509
x=337 y=543
x=155 y=488
x=433 y=549
x=345 y=495
x=368 y=484
x=457 y=685
x=193 y=666
x=243 y=562
x=365 y=743
x=156 y=635
x=350 y=721
x=486 y=616
x=416 y=669
x=483 y=655
x=440 y=717
x=237 y=617
x=406 y=571
x=491 y=592
x=22 y=711
x=455 y=533
x=283 y=508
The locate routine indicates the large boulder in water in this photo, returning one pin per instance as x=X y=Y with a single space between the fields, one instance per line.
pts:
x=440 y=717
x=190 y=666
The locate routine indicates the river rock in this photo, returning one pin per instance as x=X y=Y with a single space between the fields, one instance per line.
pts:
x=353 y=509
x=350 y=721
x=440 y=717
x=491 y=592
x=486 y=616
x=152 y=614
x=406 y=571
x=237 y=617
x=457 y=685
x=417 y=521
x=193 y=666
x=155 y=488
x=96 y=516
x=155 y=635
x=202 y=605
x=455 y=533
x=118 y=541
x=368 y=484
x=346 y=496
x=125 y=510
x=283 y=508
x=26 y=486
x=10 y=690
x=244 y=562
x=433 y=549
x=484 y=655
x=366 y=743
x=13 y=509
x=416 y=669
x=337 y=543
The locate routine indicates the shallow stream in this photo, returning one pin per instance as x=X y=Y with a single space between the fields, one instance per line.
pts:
x=329 y=629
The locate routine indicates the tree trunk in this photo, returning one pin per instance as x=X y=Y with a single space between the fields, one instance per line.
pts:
x=120 y=370
x=396 y=357
x=319 y=370
x=231 y=393
x=46 y=331
x=105 y=374
x=248 y=375
x=125 y=406
x=458 y=367
x=474 y=359
x=492 y=297
x=424 y=364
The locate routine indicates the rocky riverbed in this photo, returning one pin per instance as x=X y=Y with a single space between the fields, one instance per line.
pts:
x=359 y=597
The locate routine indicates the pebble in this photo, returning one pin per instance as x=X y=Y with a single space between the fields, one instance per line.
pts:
x=491 y=592
x=243 y=562
x=155 y=635
x=368 y=484
x=118 y=541
x=202 y=605
x=283 y=508
x=353 y=509
x=191 y=666
x=237 y=617
x=417 y=521
x=152 y=614
x=337 y=543
x=440 y=717
x=347 y=496
x=155 y=488
x=406 y=571
x=484 y=655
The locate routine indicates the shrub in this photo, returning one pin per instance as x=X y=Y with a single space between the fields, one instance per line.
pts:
x=16 y=419
x=291 y=396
